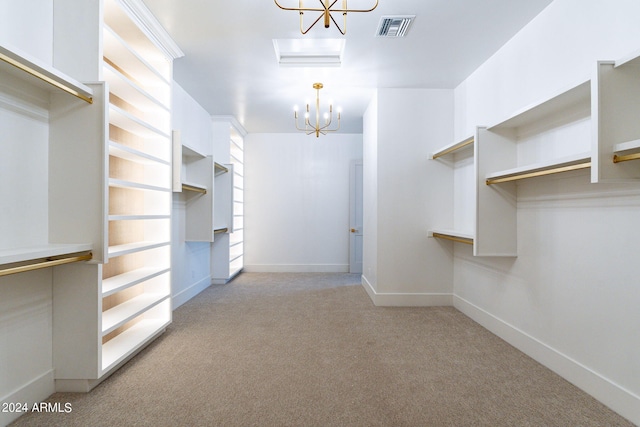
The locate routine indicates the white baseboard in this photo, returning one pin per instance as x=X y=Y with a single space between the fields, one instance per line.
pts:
x=34 y=391
x=615 y=397
x=186 y=294
x=296 y=268
x=406 y=299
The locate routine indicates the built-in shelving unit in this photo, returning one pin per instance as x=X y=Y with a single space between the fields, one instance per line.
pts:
x=457 y=154
x=106 y=312
x=37 y=74
x=616 y=125
x=136 y=281
x=227 y=252
x=43 y=114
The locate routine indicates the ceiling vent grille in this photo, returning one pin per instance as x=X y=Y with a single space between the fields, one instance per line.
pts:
x=394 y=26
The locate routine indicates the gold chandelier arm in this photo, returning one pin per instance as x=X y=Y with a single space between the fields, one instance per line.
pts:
x=299 y=9
x=313 y=9
x=310 y=26
x=343 y=32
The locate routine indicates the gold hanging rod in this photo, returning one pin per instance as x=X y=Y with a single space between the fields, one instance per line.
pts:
x=626 y=157
x=220 y=230
x=458 y=239
x=453 y=148
x=585 y=165
x=223 y=169
x=27 y=69
x=45 y=263
x=188 y=187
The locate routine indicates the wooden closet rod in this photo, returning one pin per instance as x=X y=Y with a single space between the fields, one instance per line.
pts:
x=45 y=263
x=45 y=78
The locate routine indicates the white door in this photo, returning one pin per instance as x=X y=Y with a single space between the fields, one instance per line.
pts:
x=355 y=220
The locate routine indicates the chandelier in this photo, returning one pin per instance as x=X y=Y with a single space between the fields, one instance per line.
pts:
x=325 y=12
x=318 y=128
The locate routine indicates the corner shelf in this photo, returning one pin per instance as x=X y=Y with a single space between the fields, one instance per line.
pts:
x=456 y=147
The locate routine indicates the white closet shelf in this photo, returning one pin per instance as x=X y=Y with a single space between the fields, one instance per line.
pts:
x=125 y=88
x=127 y=153
x=130 y=248
x=564 y=164
x=136 y=186
x=453 y=235
x=625 y=151
x=117 y=316
x=37 y=73
x=128 y=342
x=9 y=256
x=191 y=153
x=137 y=217
x=126 y=280
x=127 y=121
x=120 y=52
x=578 y=95
x=455 y=147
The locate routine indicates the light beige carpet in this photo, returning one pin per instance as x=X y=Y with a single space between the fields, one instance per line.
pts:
x=312 y=350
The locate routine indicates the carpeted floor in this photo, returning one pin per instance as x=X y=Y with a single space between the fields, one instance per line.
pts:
x=312 y=350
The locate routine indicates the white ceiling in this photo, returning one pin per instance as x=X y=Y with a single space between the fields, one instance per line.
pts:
x=230 y=65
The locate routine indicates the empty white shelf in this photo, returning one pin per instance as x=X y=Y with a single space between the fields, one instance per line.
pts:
x=131 y=154
x=117 y=316
x=129 y=341
x=130 y=248
x=127 y=121
x=9 y=256
x=136 y=186
x=131 y=278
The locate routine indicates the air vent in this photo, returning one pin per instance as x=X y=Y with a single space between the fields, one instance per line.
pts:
x=394 y=26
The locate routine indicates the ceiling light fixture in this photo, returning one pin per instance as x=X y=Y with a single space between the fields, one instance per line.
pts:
x=325 y=12
x=317 y=129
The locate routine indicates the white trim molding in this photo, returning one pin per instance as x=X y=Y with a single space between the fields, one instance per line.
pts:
x=387 y=299
x=233 y=122
x=186 y=294
x=152 y=28
x=36 y=390
x=296 y=268
x=614 y=396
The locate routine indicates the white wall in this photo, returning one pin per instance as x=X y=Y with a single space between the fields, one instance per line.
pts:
x=297 y=201
x=570 y=299
x=190 y=261
x=403 y=126
x=370 y=195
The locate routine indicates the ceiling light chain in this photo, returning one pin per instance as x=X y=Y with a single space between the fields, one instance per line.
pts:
x=317 y=129
x=325 y=12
